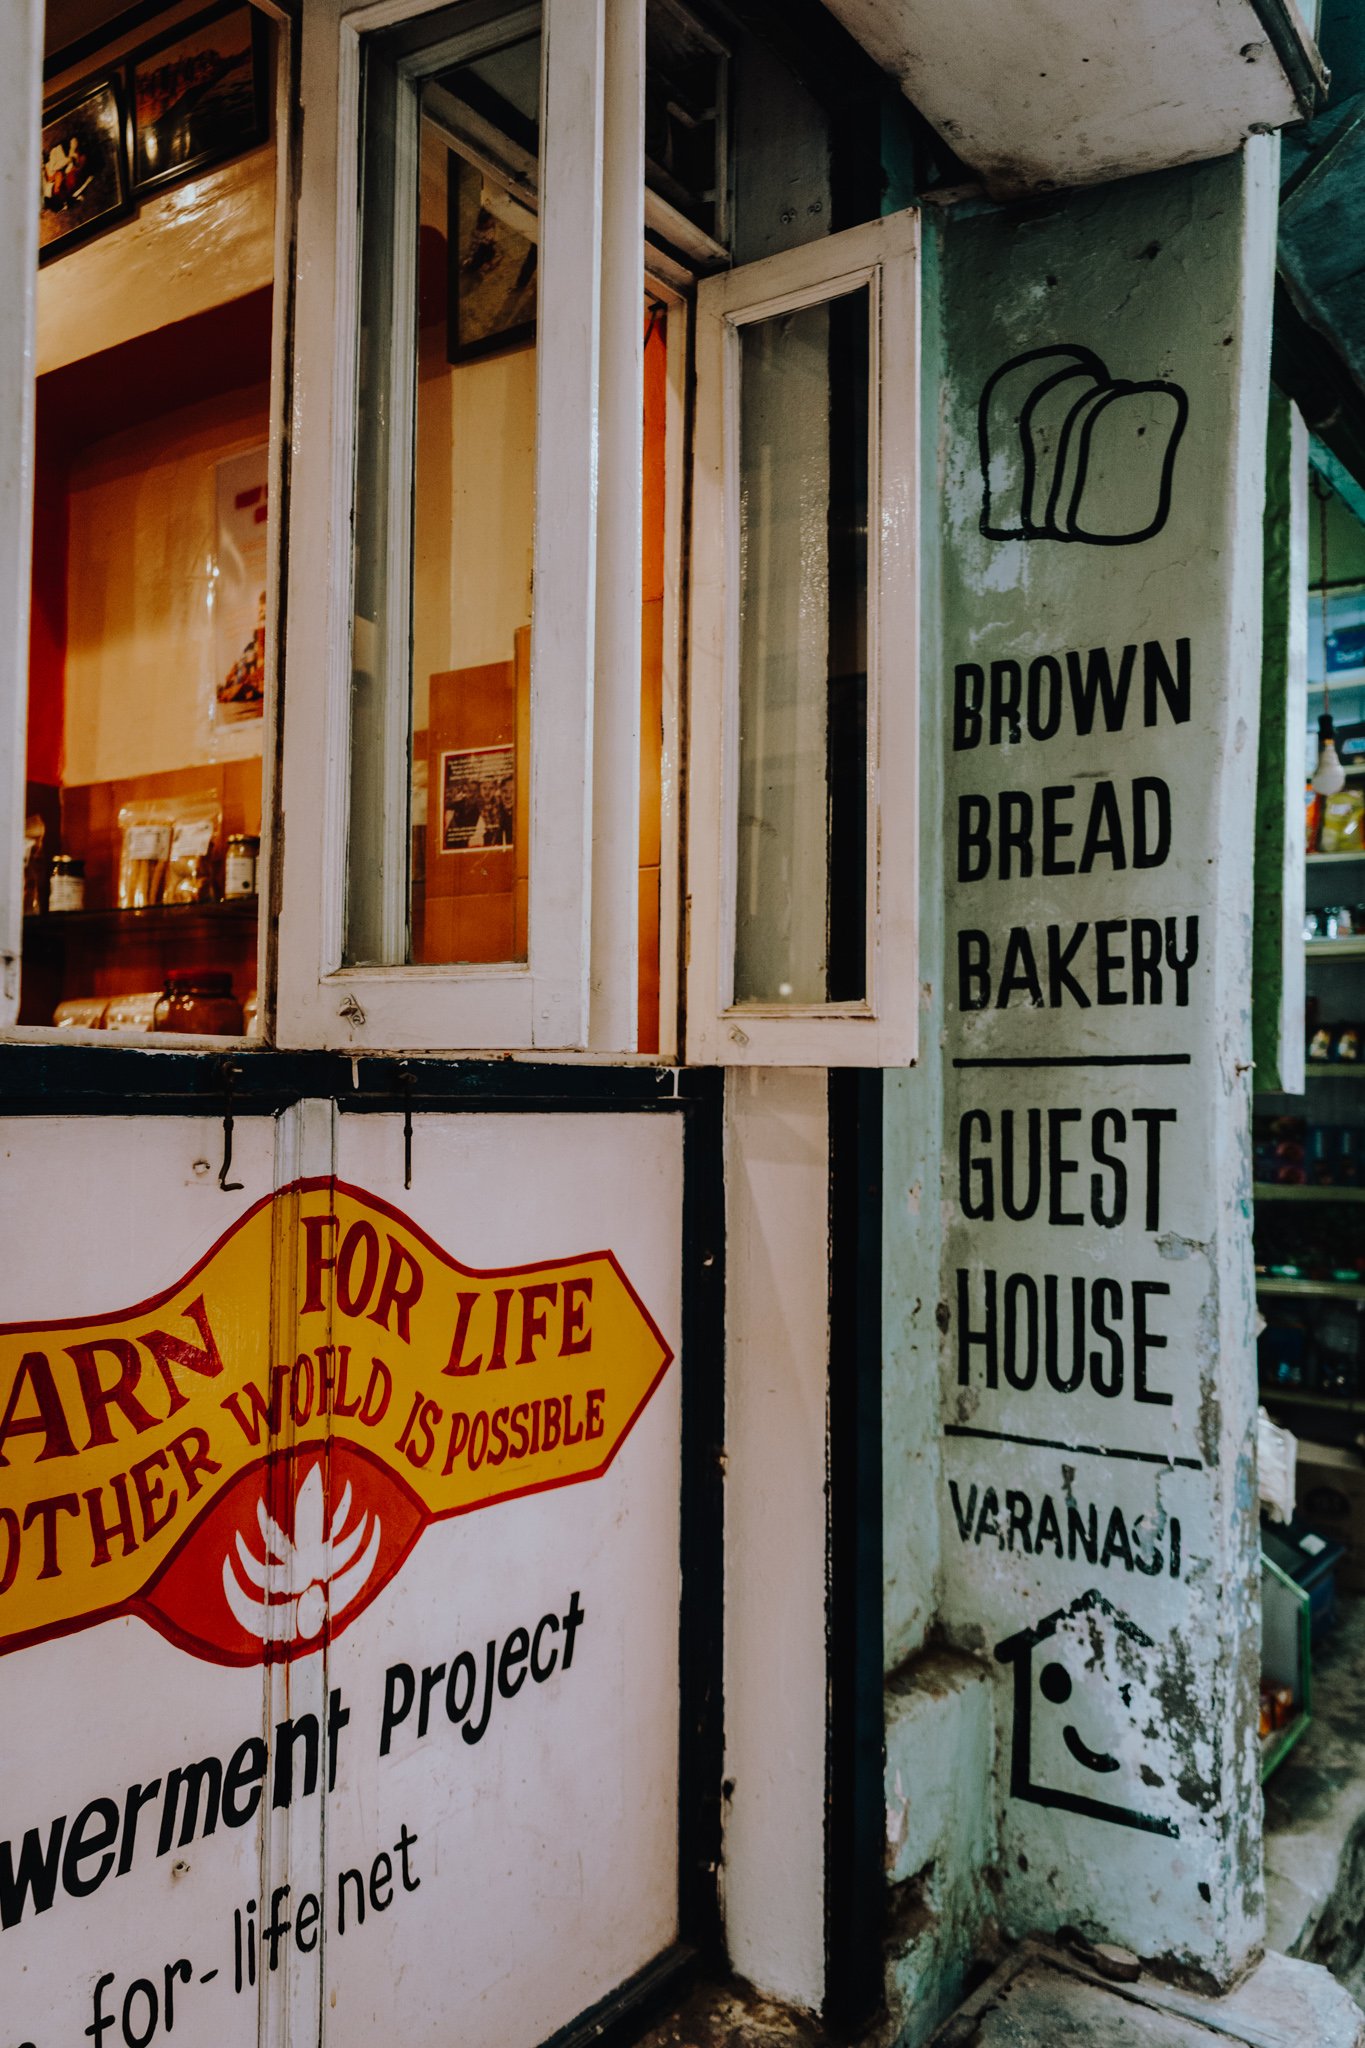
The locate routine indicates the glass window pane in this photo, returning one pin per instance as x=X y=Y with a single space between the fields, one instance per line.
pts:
x=153 y=526
x=801 y=908
x=444 y=507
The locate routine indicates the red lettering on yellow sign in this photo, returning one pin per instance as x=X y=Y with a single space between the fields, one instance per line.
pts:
x=247 y=1459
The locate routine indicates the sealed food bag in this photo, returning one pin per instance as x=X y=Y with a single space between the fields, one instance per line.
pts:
x=34 y=834
x=145 y=828
x=189 y=870
x=81 y=1013
x=1342 y=817
x=135 y=1012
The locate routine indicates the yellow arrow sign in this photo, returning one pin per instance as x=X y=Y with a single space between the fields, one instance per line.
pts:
x=247 y=1458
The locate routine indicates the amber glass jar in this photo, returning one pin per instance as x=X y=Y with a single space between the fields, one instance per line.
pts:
x=200 y=1000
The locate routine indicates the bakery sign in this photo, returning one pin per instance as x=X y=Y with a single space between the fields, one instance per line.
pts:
x=246 y=1463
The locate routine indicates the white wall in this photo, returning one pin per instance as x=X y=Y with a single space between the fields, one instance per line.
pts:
x=777 y=1352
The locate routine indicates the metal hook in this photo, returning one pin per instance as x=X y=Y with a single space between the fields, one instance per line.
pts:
x=405 y=1082
x=230 y=1073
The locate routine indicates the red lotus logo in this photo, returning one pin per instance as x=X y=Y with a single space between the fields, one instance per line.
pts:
x=164 y=1462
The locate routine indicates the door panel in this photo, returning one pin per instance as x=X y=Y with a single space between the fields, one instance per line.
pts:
x=546 y=1826
x=97 y=1216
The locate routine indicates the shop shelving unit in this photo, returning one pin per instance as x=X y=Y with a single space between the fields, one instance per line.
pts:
x=1286 y=1657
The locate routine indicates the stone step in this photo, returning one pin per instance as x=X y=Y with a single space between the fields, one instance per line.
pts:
x=1043 y=1995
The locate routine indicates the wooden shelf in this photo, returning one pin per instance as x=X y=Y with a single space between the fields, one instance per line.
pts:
x=1326 y=860
x=85 y=954
x=157 y=920
x=1335 y=949
x=1344 y=1404
x=1272 y=1191
x=1334 y=1070
x=1324 y=1290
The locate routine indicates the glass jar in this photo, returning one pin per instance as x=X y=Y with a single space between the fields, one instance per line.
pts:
x=199 y=1000
x=239 y=866
x=66 y=887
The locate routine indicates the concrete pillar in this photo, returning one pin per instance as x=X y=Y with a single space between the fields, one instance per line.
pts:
x=1104 y=424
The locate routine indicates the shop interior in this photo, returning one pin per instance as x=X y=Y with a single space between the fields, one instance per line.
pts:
x=1309 y=1187
x=152 y=525
x=155 y=638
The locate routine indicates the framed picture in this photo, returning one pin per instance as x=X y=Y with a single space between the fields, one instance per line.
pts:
x=492 y=258
x=84 y=169
x=241 y=491
x=478 y=796
x=199 y=95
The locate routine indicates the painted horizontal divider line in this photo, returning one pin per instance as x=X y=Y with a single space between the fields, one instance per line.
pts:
x=1080 y=1059
x=1049 y=1443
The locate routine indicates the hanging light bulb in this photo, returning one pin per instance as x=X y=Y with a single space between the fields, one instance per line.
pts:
x=1329 y=776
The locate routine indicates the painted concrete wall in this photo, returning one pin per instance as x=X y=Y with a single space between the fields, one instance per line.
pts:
x=1097 y=1512
x=777 y=1372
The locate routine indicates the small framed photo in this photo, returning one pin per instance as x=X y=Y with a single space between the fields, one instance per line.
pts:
x=492 y=259
x=199 y=95
x=478 y=798
x=84 y=182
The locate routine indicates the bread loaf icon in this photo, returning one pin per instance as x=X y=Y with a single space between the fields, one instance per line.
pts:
x=1070 y=453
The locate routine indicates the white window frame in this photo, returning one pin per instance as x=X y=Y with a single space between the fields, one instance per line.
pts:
x=589 y=399
x=881 y=1031
x=19 y=233
x=20 y=138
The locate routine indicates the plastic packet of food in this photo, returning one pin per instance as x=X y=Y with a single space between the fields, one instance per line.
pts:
x=1342 y=817
x=189 y=869
x=132 y=1012
x=81 y=1013
x=35 y=832
x=145 y=828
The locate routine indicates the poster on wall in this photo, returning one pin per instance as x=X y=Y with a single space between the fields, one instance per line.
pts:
x=239 y=587
x=339 y=1658
x=477 y=798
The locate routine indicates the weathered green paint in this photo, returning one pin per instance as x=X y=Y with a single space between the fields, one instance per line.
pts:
x=913 y=1119
x=941 y=1765
x=1277 y=987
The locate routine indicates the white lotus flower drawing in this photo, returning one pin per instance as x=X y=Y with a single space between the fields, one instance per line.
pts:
x=308 y=1578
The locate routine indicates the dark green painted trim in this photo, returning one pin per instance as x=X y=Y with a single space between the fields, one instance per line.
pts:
x=1298 y=53
x=1267 y=922
x=55 y=1080
x=701 y=1726
x=855 y=1795
x=618 y=2019
x=1307 y=368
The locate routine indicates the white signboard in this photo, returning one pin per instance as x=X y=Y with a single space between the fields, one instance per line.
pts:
x=339 y=1551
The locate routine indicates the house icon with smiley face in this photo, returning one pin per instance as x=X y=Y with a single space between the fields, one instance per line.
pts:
x=1078 y=1697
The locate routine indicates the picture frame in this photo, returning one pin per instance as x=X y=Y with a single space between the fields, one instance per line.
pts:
x=492 y=267
x=84 y=182
x=477 y=794
x=198 y=95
